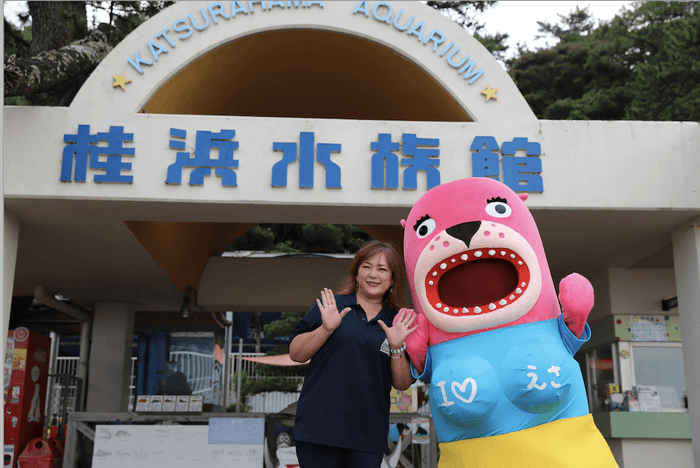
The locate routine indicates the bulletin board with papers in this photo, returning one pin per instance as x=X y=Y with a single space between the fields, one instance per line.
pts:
x=224 y=442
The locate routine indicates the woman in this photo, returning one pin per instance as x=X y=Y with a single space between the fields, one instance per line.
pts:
x=342 y=417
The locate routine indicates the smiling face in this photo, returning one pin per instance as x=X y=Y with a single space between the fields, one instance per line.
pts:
x=374 y=277
x=474 y=256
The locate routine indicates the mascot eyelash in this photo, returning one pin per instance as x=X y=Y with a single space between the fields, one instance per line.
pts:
x=497 y=199
x=420 y=221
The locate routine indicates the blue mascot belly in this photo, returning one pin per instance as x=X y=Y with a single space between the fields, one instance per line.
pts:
x=481 y=388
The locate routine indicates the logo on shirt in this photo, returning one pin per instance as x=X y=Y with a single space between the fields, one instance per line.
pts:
x=385 y=348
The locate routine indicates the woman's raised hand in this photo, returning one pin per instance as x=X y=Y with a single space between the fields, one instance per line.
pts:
x=329 y=310
x=397 y=334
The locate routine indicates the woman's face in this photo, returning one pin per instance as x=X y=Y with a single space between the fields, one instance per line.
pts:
x=374 y=277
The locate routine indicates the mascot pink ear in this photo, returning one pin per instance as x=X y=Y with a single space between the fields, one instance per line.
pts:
x=403 y=223
x=523 y=196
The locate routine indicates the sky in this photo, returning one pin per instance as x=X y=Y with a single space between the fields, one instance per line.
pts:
x=515 y=17
x=519 y=18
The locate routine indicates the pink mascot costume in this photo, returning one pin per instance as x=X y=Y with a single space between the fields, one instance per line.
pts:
x=492 y=341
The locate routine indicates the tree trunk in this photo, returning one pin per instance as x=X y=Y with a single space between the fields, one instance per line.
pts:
x=61 y=57
x=56 y=24
x=56 y=70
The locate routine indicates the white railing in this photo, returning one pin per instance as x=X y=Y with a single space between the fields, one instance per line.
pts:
x=198 y=369
x=268 y=402
x=69 y=365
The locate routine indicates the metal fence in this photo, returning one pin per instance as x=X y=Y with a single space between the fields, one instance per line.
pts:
x=63 y=396
x=69 y=366
x=268 y=402
x=197 y=372
x=197 y=367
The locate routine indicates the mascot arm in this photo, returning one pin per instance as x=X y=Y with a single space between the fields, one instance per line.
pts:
x=576 y=298
x=417 y=342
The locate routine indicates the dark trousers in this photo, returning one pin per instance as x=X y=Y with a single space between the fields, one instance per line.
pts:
x=325 y=456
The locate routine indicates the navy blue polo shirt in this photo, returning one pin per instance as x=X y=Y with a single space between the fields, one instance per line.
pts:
x=345 y=398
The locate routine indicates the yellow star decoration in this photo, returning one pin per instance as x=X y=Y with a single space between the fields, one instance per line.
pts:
x=121 y=80
x=490 y=93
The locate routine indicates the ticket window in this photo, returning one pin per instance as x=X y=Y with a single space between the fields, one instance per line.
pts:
x=628 y=366
x=661 y=365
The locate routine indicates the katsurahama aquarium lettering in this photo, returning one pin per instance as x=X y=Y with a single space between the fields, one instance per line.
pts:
x=205 y=18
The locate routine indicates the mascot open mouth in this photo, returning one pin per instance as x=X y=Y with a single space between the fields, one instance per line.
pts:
x=477 y=281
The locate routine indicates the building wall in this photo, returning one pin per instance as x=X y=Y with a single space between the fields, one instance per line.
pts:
x=653 y=453
x=578 y=169
x=602 y=307
x=632 y=291
x=639 y=291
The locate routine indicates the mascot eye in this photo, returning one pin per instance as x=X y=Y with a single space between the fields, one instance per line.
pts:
x=498 y=208
x=424 y=226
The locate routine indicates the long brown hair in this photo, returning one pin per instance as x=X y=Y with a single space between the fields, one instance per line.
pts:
x=395 y=295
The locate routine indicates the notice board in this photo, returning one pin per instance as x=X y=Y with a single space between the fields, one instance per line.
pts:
x=225 y=442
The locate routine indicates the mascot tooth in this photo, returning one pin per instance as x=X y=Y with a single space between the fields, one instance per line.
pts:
x=493 y=342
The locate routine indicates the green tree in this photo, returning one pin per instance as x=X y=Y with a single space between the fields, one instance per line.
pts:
x=643 y=65
x=259 y=237
x=463 y=13
x=572 y=26
x=323 y=238
x=126 y=16
x=51 y=56
x=283 y=327
x=466 y=15
x=17 y=40
x=667 y=36
x=273 y=378
x=296 y=238
x=494 y=43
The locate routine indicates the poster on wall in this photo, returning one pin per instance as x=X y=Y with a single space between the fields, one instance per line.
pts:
x=649 y=399
x=178 y=363
x=648 y=328
x=226 y=442
x=404 y=401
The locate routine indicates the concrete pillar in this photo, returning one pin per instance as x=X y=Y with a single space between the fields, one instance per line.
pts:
x=686 y=260
x=110 y=357
x=11 y=236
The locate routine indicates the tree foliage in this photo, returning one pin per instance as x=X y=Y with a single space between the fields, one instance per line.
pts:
x=302 y=238
x=463 y=13
x=574 y=25
x=51 y=56
x=251 y=386
x=466 y=14
x=283 y=327
x=47 y=72
x=642 y=65
x=126 y=16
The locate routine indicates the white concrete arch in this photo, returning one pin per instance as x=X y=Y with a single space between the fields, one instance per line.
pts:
x=156 y=51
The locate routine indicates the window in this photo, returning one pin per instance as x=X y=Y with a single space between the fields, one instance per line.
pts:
x=658 y=364
x=599 y=370
x=661 y=364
